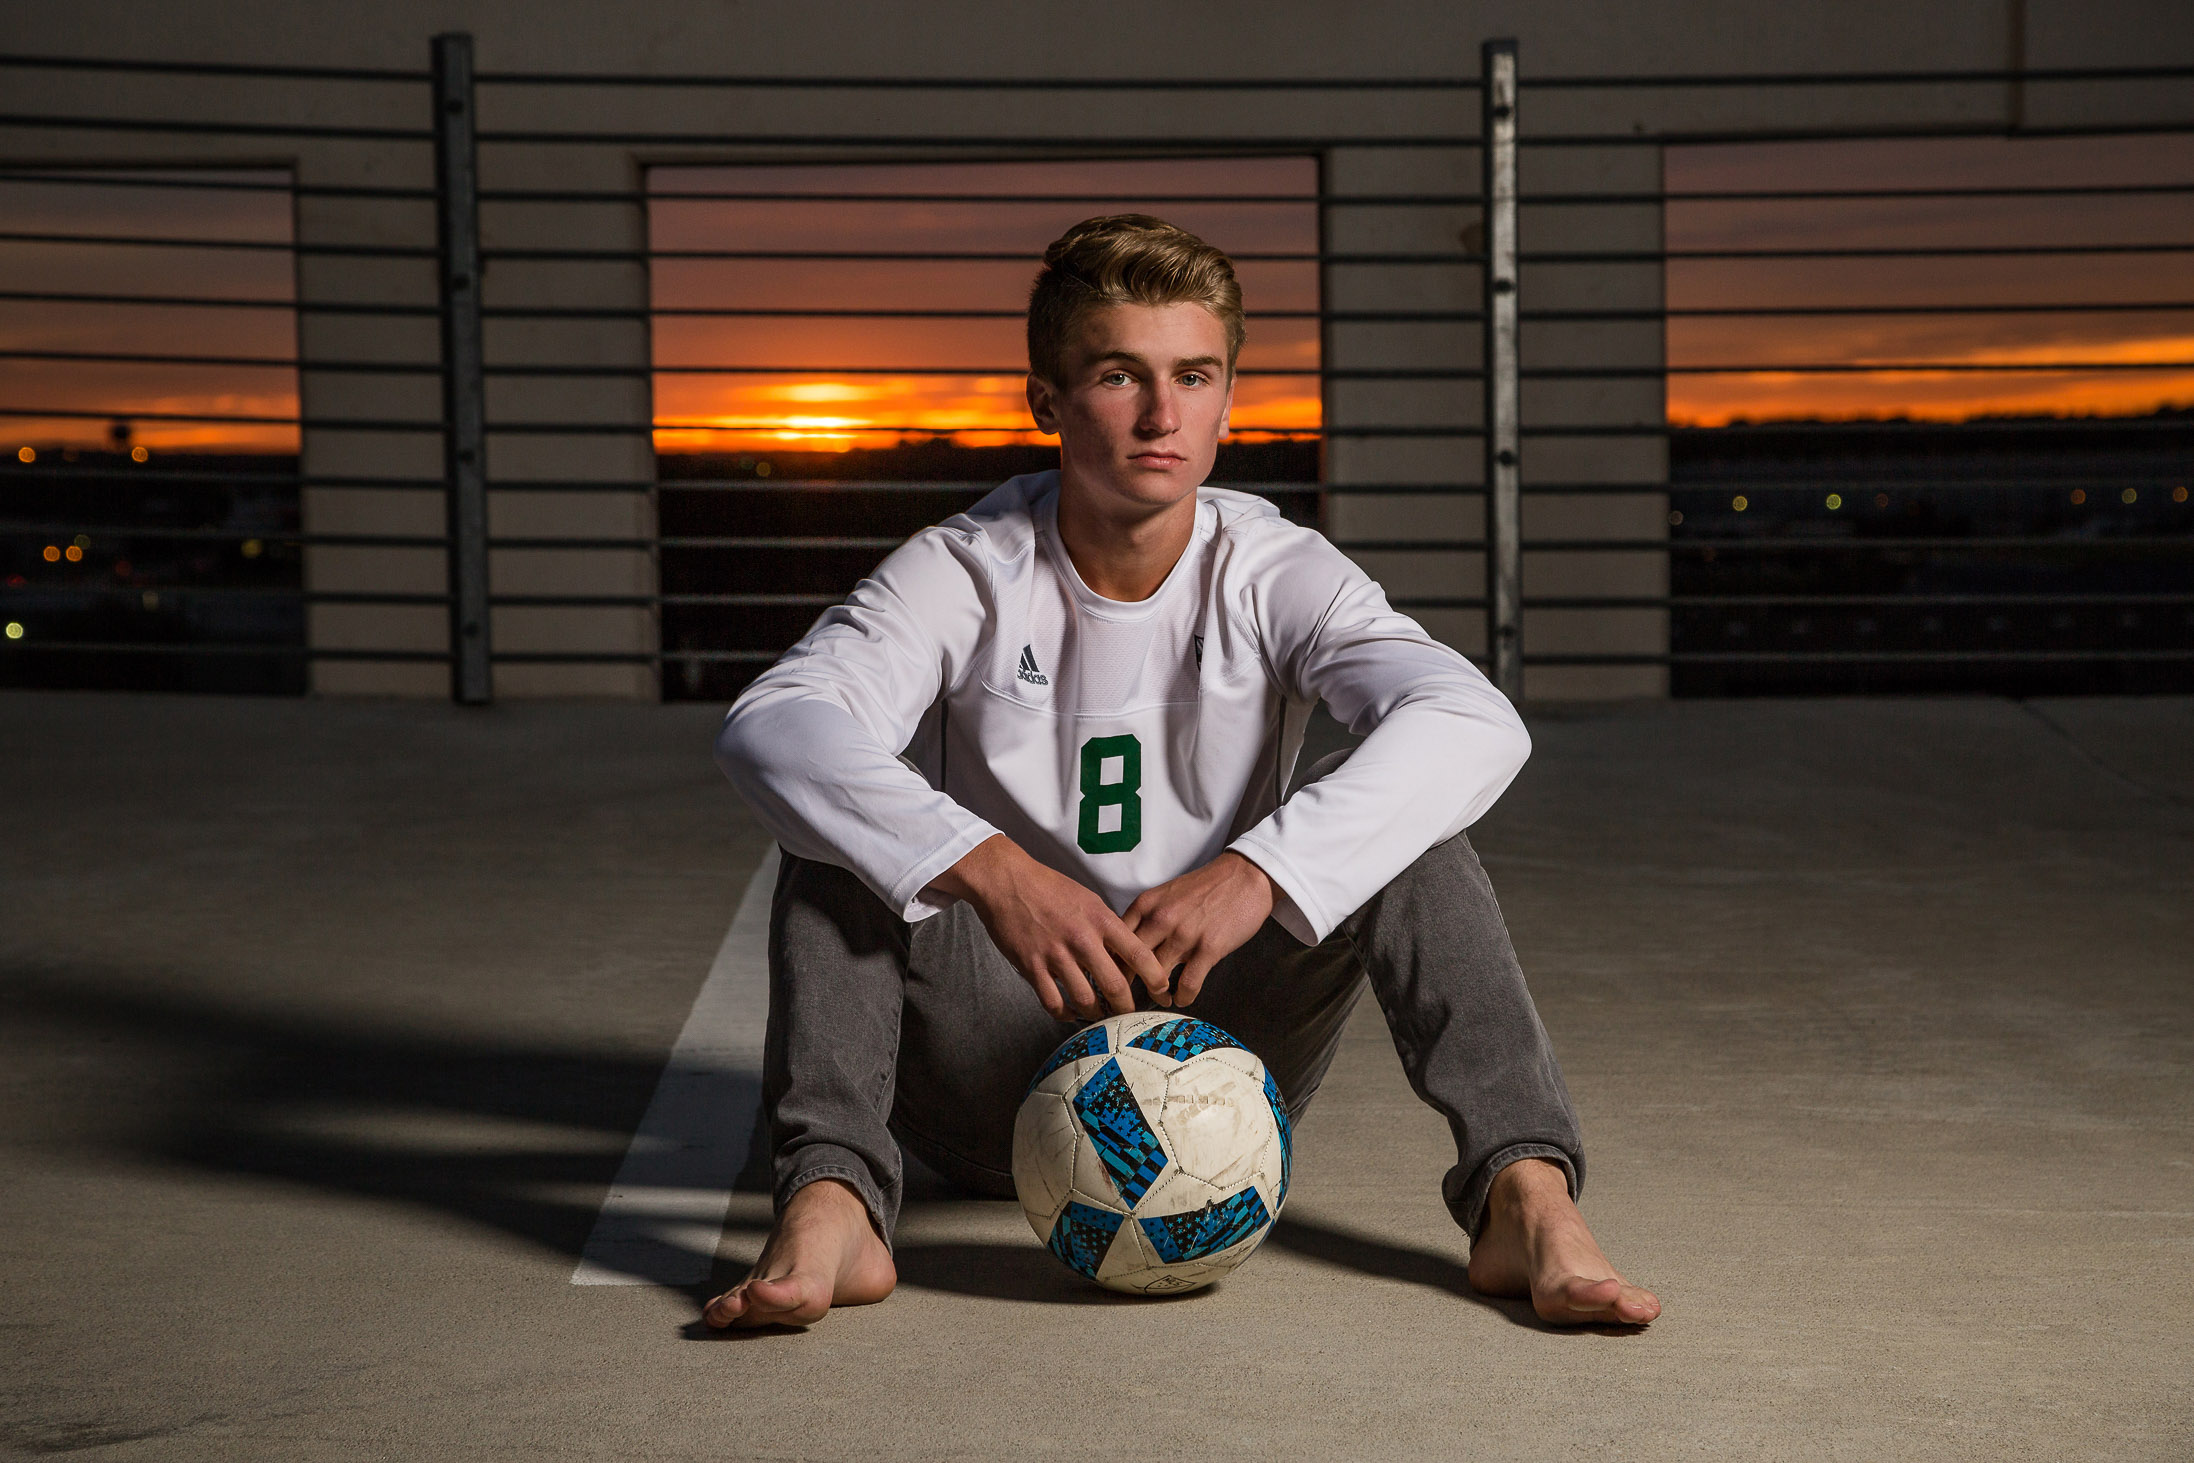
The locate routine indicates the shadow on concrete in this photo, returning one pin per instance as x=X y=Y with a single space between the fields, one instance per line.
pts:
x=1389 y=1261
x=519 y=1139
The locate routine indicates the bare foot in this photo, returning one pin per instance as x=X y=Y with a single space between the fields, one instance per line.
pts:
x=823 y=1253
x=1535 y=1243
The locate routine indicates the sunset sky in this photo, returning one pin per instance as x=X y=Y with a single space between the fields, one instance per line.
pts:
x=821 y=403
x=825 y=408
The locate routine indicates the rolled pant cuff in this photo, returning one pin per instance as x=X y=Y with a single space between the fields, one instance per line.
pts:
x=1468 y=1204
x=828 y=1161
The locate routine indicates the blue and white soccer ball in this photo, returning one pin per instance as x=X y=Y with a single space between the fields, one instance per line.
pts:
x=1152 y=1152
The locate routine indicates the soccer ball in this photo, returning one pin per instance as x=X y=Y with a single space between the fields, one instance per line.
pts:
x=1152 y=1153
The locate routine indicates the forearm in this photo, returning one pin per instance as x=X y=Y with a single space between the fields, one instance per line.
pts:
x=1427 y=770
x=827 y=789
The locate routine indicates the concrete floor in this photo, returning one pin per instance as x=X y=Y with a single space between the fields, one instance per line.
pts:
x=326 y=1026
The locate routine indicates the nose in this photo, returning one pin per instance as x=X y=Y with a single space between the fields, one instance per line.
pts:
x=1161 y=413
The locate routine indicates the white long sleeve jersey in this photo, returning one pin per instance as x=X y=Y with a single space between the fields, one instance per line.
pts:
x=1121 y=744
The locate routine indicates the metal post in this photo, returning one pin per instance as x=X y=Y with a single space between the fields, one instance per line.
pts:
x=464 y=390
x=1503 y=470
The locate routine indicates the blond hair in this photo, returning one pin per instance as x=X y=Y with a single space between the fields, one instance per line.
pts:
x=1126 y=259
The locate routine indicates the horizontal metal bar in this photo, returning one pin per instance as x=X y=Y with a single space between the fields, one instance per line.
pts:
x=981 y=83
x=185 y=126
x=1914 y=251
x=1863 y=482
x=132 y=474
x=733 y=657
x=1842 y=368
x=650 y=601
x=324 y=424
x=643 y=312
x=782 y=196
x=824 y=369
x=574 y=657
x=1695 y=80
x=1831 y=195
x=228 y=591
x=1808 y=544
x=55 y=532
x=210 y=185
x=219 y=302
x=2076 y=426
x=285 y=363
x=1829 y=657
x=211 y=68
x=285 y=246
x=201 y=647
x=1841 y=601
x=777 y=541
x=662 y=424
x=1412 y=545
x=948 y=256
x=1113 y=143
x=1748 y=312
x=2079 y=544
x=1934 y=132
x=628 y=196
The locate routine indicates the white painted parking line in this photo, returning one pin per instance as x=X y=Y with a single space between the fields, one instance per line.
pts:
x=665 y=1211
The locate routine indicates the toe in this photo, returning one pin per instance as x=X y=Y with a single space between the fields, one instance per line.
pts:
x=787 y=1301
x=726 y=1308
x=1576 y=1301
x=1637 y=1306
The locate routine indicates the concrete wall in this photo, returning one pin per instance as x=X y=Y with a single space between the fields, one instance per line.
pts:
x=1274 y=38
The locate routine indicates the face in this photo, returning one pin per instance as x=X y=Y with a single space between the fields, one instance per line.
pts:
x=1142 y=405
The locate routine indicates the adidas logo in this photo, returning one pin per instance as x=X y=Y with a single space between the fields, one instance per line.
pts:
x=1028 y=671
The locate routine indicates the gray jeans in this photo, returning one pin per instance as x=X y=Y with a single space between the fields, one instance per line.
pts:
x=882 y=1033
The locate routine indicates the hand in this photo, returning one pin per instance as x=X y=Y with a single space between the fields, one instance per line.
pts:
x=1063 y=939
x=1194 y=922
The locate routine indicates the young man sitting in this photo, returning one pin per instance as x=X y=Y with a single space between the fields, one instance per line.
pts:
x=1100 y=678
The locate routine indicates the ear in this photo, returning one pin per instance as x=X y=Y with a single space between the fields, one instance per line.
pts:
x=1226 y=412
x=1043 y=404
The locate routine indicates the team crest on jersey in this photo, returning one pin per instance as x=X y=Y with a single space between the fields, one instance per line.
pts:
x=1028 y=671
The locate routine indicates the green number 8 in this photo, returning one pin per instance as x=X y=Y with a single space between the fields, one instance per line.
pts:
x=1124 y=794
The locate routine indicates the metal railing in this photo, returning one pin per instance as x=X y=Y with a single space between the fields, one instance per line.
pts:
x=1495 y=411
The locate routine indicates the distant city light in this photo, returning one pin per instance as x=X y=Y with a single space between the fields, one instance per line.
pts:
x=139 y=454
x=73 y=554
x=151 y=600
x=2129 y=496
x=761 y=469
x=1675 y=518
x=83 y=540
x=53 y=553
x=1881 y=500
x=2079 y=495
x=252 y=548
x=15 y=629
x=27 y=454
x=1835 y=501
x=1739 y=503
x=2178 y=494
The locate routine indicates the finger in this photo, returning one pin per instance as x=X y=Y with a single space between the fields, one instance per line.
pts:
x=1047 y=993
x=1146 y=966
x=1191 y=983
x=1171 y=951
x=1105 y=975
x=1144 y=907
x=1074 y=986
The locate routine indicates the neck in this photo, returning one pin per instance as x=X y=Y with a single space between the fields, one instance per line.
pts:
x=1123 y=552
